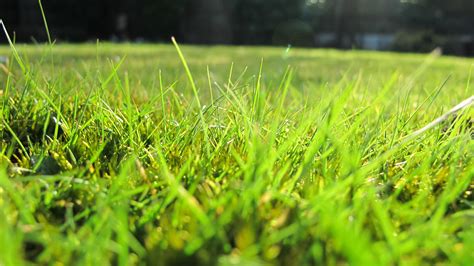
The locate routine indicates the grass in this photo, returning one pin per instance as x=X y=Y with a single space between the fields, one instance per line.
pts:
x=146 y=154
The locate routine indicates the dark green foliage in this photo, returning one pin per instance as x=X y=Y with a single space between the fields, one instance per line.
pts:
x=269 y=22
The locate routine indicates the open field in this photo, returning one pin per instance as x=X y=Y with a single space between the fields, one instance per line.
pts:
x=114 y=154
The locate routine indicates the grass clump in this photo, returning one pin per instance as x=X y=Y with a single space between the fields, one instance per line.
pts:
x=117 y=154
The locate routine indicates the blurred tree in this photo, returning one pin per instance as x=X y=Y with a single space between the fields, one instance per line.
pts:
x=427 y=24
x=208 y=22
x=255 y=21
x=156 y=20
x=245 y=21
x=346 y=22
x=75 y=21
x=381 y=16
x=440 y=16
x=346 y=18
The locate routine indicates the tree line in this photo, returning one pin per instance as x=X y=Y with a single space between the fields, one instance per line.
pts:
x=417 y=23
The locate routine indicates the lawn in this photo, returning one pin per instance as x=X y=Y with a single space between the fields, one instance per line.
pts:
x=131 y=155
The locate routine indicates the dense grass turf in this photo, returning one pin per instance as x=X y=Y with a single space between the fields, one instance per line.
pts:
x=115 y=154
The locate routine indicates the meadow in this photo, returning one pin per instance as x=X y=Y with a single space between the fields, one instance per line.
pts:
x=140 y=154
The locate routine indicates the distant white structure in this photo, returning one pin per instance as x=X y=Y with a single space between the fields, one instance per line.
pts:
x=375 y=41
x=369 y=41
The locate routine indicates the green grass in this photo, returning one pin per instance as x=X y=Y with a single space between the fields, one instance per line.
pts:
x=119 y=154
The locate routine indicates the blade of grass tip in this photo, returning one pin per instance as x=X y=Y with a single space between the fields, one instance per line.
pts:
x=97 y=51
x=196 y=95
x=15 y=52
x=231 y=71
x=8 y=83
x=78 y=121
x=163 y=106
x=129 y=110
x=432 y=96
x=234 y=101
x=387 y=87
x=239 y=79
x=113 y=74
x=57 y=123
x=283 y=88
x=469 y=79
x=405 y=140
x=464 y=104
x=45 y=22
x=381 y=97
x=336 y=110
x=416 y=74
x=256 y=96
x=284 y=85
x=396 y=123
x=210 y=85
x=25 y=72
x=50 y=43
